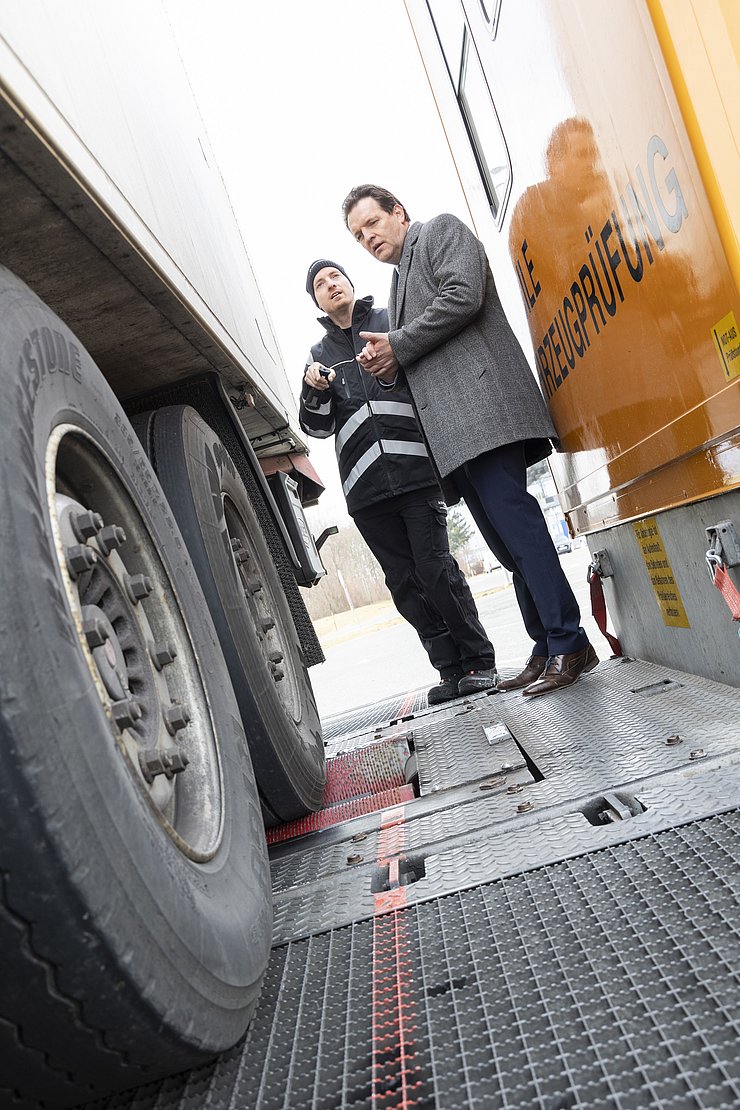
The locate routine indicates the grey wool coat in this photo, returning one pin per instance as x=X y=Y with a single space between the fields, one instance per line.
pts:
x=472 y=386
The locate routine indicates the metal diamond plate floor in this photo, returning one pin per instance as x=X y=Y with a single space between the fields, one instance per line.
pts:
x=545 y=918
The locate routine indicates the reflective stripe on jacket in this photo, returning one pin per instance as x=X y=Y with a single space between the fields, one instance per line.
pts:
x=379 y=446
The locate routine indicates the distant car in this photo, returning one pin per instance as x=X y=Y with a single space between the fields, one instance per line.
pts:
x=563 y=546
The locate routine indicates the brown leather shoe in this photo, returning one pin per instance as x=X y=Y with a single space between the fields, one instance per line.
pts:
x=563 y=670
x=534 y=668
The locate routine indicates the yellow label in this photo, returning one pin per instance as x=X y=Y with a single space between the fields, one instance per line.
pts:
x=727 y=341
x=660 y=572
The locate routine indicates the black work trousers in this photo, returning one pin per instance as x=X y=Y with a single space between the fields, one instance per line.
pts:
x=494 y=486
x=407 y=534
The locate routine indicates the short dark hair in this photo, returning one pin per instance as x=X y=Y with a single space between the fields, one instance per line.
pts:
x=385 y=199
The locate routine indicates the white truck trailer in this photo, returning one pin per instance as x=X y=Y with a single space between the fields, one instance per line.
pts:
x=153 y=636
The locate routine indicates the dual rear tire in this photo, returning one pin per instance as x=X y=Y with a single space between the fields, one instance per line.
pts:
x=135 y=905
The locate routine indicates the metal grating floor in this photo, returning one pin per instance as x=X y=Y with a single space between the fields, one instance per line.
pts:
x=577 y=985
x=494 y=942
x=398 y=708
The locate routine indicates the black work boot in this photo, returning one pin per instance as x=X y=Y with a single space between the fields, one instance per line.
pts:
x=475 y=681
x=445 y=691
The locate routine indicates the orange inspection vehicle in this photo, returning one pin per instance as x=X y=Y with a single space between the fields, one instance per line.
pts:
x=598 y=150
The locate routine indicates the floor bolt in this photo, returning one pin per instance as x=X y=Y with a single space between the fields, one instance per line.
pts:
x=697 y=753
x=359 y=837
x=354 y=858
x=671 y=741
x=515 y=788
x=524 y=807
x=491 y=784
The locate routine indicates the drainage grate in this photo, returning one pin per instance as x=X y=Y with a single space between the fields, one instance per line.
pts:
x=577 y=985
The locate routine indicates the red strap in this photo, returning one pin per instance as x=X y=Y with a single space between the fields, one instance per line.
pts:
x=598 y=609
x=727 y=588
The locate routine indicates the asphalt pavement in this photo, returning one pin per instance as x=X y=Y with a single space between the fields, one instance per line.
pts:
x=372 y=653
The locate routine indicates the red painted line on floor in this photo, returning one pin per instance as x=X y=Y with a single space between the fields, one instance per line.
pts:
x=407 y=703
x=396 y=1078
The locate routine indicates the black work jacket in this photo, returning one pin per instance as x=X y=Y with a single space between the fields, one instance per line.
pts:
x=380 y=449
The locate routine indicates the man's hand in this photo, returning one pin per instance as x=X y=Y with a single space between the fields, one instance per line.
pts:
x=315 y=379
x=377 y=357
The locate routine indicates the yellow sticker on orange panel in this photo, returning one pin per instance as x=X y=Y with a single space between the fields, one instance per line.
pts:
x=660 y=572
x=727 y=342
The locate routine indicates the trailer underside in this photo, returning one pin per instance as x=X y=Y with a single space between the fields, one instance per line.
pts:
x=548 y=918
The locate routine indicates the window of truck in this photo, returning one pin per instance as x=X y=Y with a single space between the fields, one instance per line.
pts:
x=474 y=98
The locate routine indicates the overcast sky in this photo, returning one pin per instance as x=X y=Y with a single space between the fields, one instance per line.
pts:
x=302 y=101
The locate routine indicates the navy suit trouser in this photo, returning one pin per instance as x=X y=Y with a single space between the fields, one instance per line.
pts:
x=494 y=486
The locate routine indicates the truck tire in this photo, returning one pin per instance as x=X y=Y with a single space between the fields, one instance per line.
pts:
x=135 y=915
x=249 y=608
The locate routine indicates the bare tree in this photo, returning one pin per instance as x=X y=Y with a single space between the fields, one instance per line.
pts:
x=353 y=576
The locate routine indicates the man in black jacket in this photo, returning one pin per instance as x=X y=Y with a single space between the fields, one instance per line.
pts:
x=391 y=488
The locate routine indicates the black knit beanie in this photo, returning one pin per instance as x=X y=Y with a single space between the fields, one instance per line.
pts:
x=320 y=264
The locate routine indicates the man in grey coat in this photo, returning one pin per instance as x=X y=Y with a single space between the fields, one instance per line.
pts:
x=479 y=407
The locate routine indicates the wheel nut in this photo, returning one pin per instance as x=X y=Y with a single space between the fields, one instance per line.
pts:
x=162 y=654
x=267 y=623
x=254 y=585
x=138 y=586
x=94 y=631
x=176 y=717
x=158 y=761
x=277 y=674
x=79 y=559
x=86 y=524
x=275 y=656
x=126 y=712
x=236 y=544
x=110 y=537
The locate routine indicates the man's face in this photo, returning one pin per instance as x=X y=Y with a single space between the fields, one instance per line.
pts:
x=332 y=290
x=381 y=233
